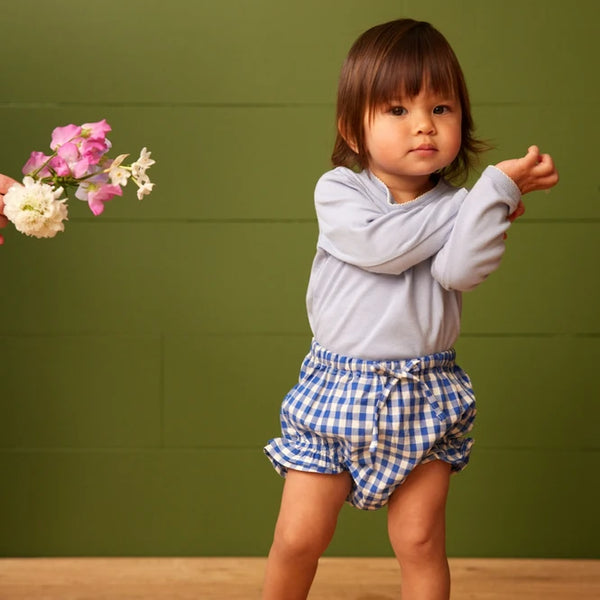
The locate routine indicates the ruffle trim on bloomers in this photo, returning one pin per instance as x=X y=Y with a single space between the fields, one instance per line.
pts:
x=454 y=451
x=308 y=453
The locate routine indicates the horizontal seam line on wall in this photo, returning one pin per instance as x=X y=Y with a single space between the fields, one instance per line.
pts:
x=258 y=449
x=171 y=104
x=261 y=220
x=530 y=334
x=158 y=220
x=566 y=220
x=224 y=104
x=155 y=337
x=541 y=448
x=120 y=449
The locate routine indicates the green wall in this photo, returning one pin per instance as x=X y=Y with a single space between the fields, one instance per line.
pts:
x=144 y=353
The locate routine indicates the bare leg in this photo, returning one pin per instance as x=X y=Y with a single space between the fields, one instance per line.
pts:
x=310 y=505
x=417 y=530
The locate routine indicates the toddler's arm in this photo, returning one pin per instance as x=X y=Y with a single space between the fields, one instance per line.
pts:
x=362 y=230
x=476 y=244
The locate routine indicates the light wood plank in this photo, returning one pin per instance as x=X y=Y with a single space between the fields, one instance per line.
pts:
x=240 y=578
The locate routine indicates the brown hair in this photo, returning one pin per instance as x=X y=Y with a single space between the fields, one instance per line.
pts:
x=399 y=58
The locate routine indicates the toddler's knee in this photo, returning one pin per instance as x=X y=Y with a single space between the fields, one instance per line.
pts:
x=418 y=545
x=299 y=544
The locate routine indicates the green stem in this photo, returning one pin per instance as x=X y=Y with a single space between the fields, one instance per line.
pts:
x=36 y=172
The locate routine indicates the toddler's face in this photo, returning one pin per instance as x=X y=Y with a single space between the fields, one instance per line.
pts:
x=411 y=138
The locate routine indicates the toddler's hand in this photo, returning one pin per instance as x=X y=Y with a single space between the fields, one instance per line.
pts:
x=518 y=212
x=535 y=171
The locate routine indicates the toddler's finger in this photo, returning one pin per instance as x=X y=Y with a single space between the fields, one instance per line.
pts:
x=545 y=167
x=531 y=158
x=533 y=152
x=519 y=211
x=550 y=180
x=547 y=161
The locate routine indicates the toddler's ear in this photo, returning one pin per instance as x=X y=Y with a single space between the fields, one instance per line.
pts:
x=348 y=139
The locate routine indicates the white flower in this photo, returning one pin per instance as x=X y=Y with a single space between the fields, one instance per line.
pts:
x=139 y=175
x=144 y=162
x=35 y=208
x=118 y=174
x=144 y=189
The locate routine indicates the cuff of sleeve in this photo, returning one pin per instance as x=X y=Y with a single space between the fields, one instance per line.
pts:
x=506 y=184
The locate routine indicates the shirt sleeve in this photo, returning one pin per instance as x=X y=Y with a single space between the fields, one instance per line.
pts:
x=476 y=243
x=357 y=230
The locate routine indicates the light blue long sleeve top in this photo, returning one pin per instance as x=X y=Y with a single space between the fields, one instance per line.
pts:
x=387 y=278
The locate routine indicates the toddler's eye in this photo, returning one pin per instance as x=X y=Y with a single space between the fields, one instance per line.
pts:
x=398 y=110
x=440 y=110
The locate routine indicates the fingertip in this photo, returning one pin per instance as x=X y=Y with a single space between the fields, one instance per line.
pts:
x=547 y=158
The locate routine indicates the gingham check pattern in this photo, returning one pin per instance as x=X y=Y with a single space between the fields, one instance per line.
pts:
x=377 y=420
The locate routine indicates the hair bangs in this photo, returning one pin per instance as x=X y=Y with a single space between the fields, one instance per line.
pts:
x=427 y=63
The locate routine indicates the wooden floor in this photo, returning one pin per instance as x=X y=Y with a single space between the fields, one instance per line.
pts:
x=240 y=578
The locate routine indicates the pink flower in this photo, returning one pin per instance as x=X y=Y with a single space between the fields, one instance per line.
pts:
x=35 y=162
x=68 y=161
x=81 y=167
x=94 y=149
x=96 y=198
x=60 y=167
x=62 y=135
x=96 y=130
x=96 y=193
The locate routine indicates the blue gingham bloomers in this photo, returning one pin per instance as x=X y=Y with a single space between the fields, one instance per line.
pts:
x=375 y=419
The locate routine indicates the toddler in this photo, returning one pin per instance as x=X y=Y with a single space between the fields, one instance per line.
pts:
x=381 y=412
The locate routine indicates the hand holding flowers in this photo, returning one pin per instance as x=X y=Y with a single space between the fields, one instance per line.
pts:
x=5 y=183
x=79 y=161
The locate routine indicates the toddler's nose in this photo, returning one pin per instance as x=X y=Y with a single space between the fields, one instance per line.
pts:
x=424 y=124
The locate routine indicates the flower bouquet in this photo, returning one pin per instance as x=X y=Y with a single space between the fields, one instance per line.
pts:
x=78 y=160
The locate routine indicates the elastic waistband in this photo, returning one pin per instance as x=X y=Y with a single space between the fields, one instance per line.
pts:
x=419 y=364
